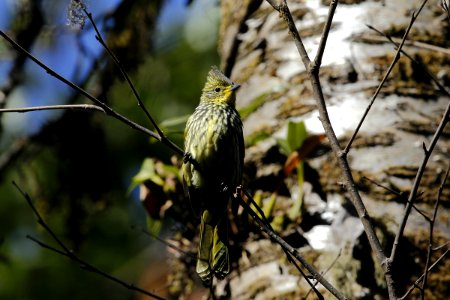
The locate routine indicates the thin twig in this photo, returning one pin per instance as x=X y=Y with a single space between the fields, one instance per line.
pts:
x=262 y=223
x=47 y=246
x=326 y=271
x=411 y=43
x=430 y=238
x=284 y=11
x=421 y=65
x=324 y=37
x=40 y=220
x=99 y=38
x=416 y=283
x=71 y=255
x=263 y=220
x=400 y=195
x=431 y=221
x=289 y=256
x=275 y=237
x=413 y=194
x=313 y=74
x=167 y=243
x=386 y=75
x=441 y=246
x=52 y=107
x=108 y=110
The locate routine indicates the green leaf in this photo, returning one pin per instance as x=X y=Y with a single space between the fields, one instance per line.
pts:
x=257 y=198
x=269 y=205
x=253 y=106
x=147 y=172
x=284 y=146
x=296 y=134
x=154 y=226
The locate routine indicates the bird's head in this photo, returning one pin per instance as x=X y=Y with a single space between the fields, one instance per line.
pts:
x=219 y=88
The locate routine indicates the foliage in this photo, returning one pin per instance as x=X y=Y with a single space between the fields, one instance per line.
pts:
x=78 y=166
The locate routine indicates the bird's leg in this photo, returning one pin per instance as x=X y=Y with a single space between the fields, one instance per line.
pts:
x=187 y=157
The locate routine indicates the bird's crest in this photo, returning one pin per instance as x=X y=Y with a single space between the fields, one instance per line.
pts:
x=216 y=78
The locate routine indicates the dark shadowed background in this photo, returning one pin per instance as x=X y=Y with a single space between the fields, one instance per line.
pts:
x=77 y=166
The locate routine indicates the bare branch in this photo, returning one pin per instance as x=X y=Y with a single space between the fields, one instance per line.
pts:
x=167 y=243
x=326 y=271
x=324 y=37
x=386 y=75
x=421 y=65
x=72 y=256
x=289 y=256
x=413 y=194
x=427 y=154
x=41 y=221
x=397 y=41
x=416 y=283
x=99 y=38
x=401 y=195
x=285 y=246
x=108 y=110
x=340 y=155
x=441 y=246
x=53 y=107
x=430 y=238
x=285 y=13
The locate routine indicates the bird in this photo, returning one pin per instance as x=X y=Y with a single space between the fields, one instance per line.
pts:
x=212 y=168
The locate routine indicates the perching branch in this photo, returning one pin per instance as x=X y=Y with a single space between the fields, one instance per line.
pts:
x=326 y=271
x=262 y=221
x=284 y=245
x=65 y=251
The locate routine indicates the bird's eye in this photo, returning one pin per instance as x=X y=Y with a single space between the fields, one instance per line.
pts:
x=217 y=90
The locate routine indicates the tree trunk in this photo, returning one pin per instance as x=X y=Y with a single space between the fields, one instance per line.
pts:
x=258 y=52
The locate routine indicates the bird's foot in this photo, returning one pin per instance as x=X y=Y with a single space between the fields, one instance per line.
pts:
x=187 y=157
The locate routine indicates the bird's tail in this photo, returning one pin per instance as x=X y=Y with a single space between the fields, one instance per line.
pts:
x=212 y=255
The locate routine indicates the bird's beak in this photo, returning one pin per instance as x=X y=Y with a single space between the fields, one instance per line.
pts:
x=234 y=87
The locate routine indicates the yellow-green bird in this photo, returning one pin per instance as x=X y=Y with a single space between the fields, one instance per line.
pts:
x=214 y=156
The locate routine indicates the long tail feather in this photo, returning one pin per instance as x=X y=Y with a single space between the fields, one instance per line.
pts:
x=204 y=249
x=220 y=261
x=212 y=255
